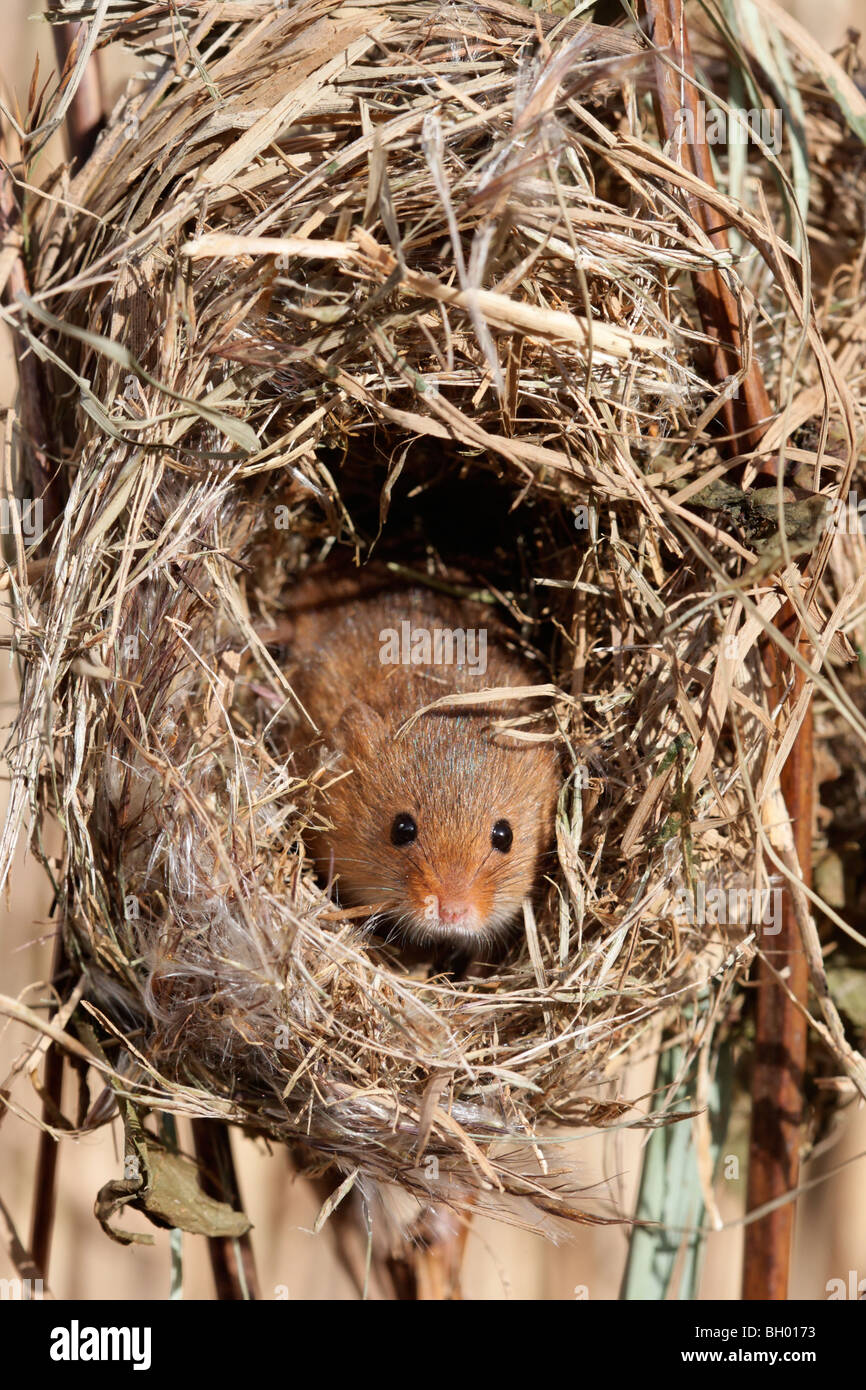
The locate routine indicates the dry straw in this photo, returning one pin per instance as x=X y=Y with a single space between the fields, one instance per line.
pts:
x=321 y=241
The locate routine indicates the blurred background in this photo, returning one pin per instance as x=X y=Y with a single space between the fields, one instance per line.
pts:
x=501 y=1263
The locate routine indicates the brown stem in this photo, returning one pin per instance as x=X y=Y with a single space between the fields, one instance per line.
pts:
x=747 y=417
x=85 y=116
x=425 y=1265
x=45 y=1186
x=36 y=1286
x=780 y=1040
x=32 y=396
x=780 y=1044
x=375 y=1274
x=440 y=1244
x=235 y=1278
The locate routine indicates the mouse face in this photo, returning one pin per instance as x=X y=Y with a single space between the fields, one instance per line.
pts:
x=440 y=831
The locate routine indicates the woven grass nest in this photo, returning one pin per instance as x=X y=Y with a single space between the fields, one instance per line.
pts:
x=418 y=281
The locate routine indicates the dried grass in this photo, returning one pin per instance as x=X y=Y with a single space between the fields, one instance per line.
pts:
x=325 y=245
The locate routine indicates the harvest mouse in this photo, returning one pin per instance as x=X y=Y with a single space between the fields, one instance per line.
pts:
x=439 y=828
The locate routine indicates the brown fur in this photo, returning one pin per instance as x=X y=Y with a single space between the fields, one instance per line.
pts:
x=449 y=771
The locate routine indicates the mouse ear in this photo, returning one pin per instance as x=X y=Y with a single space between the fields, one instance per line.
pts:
x=359 y=730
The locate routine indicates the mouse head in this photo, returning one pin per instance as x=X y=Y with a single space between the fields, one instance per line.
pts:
x=441 y=829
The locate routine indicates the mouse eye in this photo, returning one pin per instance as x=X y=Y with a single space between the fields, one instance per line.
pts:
x=502 y=836
x=403 y=829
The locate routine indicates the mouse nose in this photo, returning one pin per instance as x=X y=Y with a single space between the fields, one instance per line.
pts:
x=455 y=912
